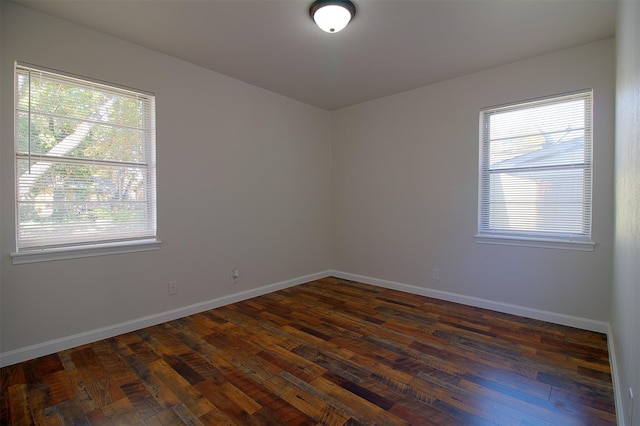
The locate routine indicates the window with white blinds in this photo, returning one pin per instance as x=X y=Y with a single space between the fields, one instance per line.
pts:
x=536 y=170
x=85 y=162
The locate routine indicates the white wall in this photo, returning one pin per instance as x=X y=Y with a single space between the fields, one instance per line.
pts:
x=405 y=184
x=625 y=318
x=243 y=181
x=395 y=198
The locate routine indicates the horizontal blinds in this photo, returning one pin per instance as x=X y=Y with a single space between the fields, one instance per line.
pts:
x=536 y=169
x=85 y=161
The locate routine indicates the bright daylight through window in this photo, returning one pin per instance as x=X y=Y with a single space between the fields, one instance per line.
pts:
x=85 y=162
x=535 y=171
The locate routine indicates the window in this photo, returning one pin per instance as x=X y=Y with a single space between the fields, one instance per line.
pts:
x=535 y=172
x=85 y=163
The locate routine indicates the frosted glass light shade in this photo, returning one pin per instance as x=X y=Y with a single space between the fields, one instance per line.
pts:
x=332 y=16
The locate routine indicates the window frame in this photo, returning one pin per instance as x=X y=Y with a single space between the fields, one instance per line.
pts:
x=545 y=238
x=94 y=244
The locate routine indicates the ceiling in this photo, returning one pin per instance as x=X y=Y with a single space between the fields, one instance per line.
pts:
x=390 y=46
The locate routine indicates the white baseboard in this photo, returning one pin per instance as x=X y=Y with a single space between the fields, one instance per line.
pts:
x=556 y=318
x=618 y=394
x=45 y=348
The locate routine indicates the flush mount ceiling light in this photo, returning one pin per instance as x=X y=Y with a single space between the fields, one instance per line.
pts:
x=332 y=15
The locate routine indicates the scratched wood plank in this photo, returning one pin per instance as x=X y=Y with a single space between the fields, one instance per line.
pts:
x=186 y=393
x=92 y=377
x=360 y=409
x=19 y=404
x=328 y=352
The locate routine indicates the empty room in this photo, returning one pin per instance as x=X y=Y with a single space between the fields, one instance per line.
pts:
x=288 y=212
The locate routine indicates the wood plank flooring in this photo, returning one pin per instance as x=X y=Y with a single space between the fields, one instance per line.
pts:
x=329 y=352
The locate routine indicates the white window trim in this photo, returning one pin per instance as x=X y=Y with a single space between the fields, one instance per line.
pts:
x=535 y=242
x=522 y=239
x=89 y=250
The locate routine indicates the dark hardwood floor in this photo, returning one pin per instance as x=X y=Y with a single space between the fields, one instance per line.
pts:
x=330 y=352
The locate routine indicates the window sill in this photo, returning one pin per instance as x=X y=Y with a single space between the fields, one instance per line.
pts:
x=535 y=242
x=46 y=255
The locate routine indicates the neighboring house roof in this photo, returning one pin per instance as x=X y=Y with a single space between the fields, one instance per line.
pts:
x=551 y=153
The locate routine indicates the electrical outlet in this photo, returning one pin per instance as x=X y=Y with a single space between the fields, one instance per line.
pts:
x=435 y=274
x=235 y=274
x=173 y=288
